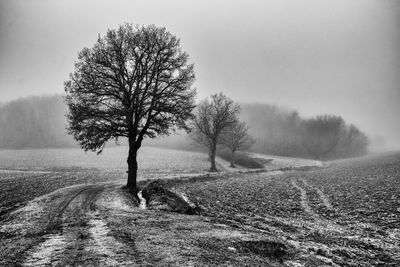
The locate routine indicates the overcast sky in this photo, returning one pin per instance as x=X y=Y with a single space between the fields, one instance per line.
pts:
x=340 y=56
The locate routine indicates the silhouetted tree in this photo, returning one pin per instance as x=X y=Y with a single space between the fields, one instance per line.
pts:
x=135 y=82
x=236 y=138
x=212 y=117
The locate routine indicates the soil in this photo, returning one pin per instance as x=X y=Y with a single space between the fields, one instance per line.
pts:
x=102 y=225
x=345 y=214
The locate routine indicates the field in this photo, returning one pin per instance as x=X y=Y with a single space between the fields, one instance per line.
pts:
x=346 y=214
x=340 y=213
x=151 y=160
x=26 y=174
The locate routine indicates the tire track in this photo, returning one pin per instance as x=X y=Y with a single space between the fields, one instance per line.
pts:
x=304 y=202
x=307 y=205
x=324 y=199
x=63 y=230
x=60 y=209
x=88 y=203
x=77 y=235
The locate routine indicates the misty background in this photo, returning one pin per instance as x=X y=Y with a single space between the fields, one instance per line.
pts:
x=39 y=122
x=274 y=57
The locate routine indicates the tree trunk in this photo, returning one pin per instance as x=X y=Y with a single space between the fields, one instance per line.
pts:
x=212 y=154
x=233 y=159
x=132 y=169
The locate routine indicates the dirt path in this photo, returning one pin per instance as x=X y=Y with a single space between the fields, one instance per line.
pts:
x=98 y=225
x=65 y=228
x=61 y=226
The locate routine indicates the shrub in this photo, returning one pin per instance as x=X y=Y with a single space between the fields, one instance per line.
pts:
x=242 y=159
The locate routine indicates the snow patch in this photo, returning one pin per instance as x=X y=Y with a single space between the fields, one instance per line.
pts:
x=287 y=162
x=114 y=199
x=104 y=245
x=23 y=218
x=223 y=234
x=187 y=200
x=46 y=252
x=99 y=232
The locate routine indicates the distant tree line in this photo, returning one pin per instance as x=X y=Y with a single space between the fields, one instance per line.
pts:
x=34 y=122
x=283 y=132
x=38 y=122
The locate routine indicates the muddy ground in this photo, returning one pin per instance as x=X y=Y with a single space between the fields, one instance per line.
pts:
x=101 y=225
x=346 y=214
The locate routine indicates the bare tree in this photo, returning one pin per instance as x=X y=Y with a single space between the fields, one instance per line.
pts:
x=352 y=143
x=323 y=134
x=212 y=117
x=135 y=82
x=236 y=138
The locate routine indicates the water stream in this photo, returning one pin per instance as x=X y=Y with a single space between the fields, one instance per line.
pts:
x=142 y=200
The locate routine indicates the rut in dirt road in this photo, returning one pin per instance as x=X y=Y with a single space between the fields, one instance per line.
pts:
x=305 y=189
x=321 y=195
x=76 y=234
x=304 y=202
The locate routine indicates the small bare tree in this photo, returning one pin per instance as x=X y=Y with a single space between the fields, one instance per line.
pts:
x=133 y=83
x=212 y=117
x=236 y=138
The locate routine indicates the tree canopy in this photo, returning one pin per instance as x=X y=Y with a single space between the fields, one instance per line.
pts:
x=135 y=82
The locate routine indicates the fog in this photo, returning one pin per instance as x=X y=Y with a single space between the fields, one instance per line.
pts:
x=317 y=57
x=40 y=122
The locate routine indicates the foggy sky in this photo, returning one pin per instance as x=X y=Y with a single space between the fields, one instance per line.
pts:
x=340 y=57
